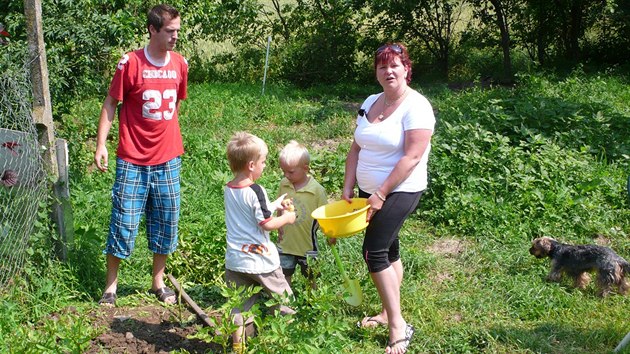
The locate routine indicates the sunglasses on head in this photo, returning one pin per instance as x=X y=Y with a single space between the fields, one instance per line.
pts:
x=395 y=47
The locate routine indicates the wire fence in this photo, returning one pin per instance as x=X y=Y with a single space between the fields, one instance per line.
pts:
x=23 y=185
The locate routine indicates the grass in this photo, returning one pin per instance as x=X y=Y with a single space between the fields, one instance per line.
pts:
x=550 y=156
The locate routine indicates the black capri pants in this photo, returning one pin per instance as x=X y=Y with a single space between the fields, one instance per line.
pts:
x=381 y=246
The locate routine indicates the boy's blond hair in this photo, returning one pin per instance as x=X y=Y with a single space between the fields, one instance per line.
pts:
x=295 y=154
x=242 y=148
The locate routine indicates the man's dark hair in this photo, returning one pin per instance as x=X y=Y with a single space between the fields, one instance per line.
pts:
x=159 y=13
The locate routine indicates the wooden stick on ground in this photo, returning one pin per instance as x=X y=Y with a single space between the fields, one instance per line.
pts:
x=200 y=313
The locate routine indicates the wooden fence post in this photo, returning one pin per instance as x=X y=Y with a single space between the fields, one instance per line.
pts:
x=42 y=115
x=42 y=108
x=62 y=208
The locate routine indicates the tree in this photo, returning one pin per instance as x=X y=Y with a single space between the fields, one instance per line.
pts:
x=314 y=41
x=499 y=15
x=430 y=22
x=558 y=27
x=322 y=46
x=612 y=33
x=534 y=28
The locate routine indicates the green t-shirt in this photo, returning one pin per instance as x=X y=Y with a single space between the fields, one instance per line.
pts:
x=299 y=237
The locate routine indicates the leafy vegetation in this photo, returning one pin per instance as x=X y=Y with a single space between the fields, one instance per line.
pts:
x=549 y=156
x=316 y=42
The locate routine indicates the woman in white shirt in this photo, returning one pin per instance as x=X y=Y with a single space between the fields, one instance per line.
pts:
x=388 y=160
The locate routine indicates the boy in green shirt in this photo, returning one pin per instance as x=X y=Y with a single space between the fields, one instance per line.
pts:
x=299 y=240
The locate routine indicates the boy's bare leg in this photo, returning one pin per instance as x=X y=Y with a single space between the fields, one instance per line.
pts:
x=238 y=336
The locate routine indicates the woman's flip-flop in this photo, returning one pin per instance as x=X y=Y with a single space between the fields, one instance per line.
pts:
x=370 y=322
x=404 y=342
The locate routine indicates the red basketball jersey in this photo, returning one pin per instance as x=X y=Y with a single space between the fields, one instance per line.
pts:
x=149 y=131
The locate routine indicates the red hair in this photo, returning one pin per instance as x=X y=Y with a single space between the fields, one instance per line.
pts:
x=388 y=52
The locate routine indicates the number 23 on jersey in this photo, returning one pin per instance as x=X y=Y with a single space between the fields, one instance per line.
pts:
x=153 y=103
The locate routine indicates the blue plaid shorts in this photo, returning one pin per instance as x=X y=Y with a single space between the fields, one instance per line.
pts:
x=150 y=190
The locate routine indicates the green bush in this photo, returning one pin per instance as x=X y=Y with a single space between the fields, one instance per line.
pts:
x=525 y=161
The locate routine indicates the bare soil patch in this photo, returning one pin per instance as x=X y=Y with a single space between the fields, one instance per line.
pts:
x=326 y=144
x=147 y=328
x=440 y=278
x=447 y=247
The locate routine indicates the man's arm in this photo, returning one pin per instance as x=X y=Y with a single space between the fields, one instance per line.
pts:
x=104 y=125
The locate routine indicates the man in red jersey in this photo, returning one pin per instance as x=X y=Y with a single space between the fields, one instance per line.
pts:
x=150 y=82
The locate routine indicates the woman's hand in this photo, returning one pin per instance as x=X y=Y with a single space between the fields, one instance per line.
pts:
x=375 y=205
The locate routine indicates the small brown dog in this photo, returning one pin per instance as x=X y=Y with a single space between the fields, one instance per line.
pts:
x=577 y=261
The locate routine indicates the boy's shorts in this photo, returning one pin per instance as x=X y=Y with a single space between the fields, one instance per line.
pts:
x=289 y=262
x=272 y=282
x=153 y=191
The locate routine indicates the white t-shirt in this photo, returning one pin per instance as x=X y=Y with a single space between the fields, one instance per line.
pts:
x=382 y=143
x=249 y=248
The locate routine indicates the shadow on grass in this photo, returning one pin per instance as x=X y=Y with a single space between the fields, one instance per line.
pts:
x=558 y=338
x=88 y=264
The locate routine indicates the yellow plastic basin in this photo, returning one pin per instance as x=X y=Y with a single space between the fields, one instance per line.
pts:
x=342 y=219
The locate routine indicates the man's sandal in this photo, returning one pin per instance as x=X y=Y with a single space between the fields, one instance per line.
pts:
x=164 y=293
x=108 y=300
